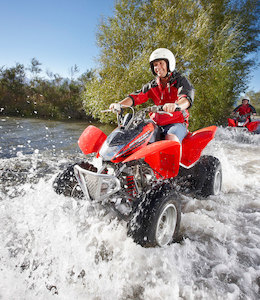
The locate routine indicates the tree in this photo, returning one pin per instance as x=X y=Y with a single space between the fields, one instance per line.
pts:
x=12 y=89
x=73 y=70
x=233 y=34
x=34 y=68
x=210 y=39
x=86 y=77
x=255 y=100
x=56 y=98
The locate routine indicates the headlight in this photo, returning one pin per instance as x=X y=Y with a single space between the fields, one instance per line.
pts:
x=108 y=152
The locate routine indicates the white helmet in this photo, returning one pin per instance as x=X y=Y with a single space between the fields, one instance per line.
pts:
x=246 y=98
x=165 y=54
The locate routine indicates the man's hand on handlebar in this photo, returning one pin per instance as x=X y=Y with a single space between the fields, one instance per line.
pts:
x=158 y=109
x=115 y=107
x=171 y=107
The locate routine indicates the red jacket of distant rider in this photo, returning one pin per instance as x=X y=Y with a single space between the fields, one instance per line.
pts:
x=244 y=109
x=177 y=87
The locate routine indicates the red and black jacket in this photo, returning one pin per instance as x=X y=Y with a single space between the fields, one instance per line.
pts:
x=177 y=87
x=245 y=109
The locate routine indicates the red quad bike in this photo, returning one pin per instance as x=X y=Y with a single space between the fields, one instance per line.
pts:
x=244 y=122
x=142 y=175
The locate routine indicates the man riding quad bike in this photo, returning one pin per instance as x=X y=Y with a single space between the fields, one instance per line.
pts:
x=147 y=162
x=242 y=119
x=142 y=175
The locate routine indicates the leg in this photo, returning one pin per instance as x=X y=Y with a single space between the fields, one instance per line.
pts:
x=172 y=137
x=175 y=132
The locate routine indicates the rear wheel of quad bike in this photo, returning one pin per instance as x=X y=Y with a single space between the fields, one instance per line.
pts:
x=210 y=169
x=156 y=220
x=66 y=183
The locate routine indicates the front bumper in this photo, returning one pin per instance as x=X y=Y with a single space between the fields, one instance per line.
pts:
x=96 y=186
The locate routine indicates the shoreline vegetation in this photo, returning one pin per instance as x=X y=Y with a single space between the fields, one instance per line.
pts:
x=53 y=98
x=23 y=93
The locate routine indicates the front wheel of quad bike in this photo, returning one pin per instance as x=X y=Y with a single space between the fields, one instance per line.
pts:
x=66 y=183
x=211 y=172
x=156 y=220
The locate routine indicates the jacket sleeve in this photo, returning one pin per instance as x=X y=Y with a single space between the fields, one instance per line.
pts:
x=141 y=95
x=237 y=108
x=185 y=89
x=252 y=109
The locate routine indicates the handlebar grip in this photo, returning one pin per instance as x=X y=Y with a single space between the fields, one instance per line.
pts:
x=176 y=109
x=159 y=109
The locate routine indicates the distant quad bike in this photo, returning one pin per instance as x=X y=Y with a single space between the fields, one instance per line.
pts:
x=244 y=123
x=142 y=175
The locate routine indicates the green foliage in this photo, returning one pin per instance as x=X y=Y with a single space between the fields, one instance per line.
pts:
x=13 y=87
x=57 y=98
x=255 y=100
x=210 y=39
x=34 y=68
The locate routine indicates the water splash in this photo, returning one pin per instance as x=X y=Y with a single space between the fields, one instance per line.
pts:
x=55 y=247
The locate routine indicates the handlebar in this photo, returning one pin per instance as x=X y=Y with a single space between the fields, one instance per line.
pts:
x=237 y=114
x=128 y=119
x=159 y=110
x=154 y=109
x=121 y=106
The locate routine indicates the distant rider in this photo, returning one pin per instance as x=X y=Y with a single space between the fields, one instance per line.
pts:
x=169 y=89
x=245 y=108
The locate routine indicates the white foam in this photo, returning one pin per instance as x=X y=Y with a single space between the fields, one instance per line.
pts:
x=54 y=247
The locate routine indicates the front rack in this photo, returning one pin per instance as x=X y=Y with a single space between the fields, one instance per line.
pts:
x=96 y=186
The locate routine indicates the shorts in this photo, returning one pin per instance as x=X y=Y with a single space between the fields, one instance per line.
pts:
x=179 y=129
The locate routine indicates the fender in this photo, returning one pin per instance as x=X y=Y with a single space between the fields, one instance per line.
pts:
x=163 y=157
x=194 y=143
x=231 y=122
x=252 y=126
x=91 y=140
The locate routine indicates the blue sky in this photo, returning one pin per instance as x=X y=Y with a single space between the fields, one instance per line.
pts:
x=59 y=33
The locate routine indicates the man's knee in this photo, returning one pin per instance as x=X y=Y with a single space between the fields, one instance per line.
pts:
x=172 y=137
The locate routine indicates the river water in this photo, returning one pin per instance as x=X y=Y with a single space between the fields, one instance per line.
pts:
x=54 y=247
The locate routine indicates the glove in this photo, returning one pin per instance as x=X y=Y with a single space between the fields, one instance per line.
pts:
x=115 y=107
x=154 y=109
